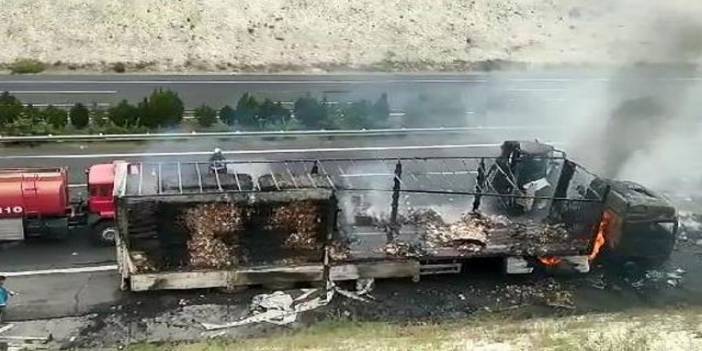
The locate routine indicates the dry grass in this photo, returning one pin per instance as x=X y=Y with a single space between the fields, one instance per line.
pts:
x=639 y=330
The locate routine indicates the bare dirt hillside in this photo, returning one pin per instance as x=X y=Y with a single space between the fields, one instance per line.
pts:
x=275 y=35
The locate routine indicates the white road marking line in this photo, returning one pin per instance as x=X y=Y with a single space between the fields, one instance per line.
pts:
x=6 y=328
x=103 y=104
x=257 y=152
x=549 y=90
x=157 y=82
x=15 y=92
x=61 y=271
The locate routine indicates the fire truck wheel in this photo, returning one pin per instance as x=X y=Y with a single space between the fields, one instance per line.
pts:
x=104 y=233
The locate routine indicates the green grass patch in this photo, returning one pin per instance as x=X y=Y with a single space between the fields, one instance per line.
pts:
x=634 y=330
x=26 y=66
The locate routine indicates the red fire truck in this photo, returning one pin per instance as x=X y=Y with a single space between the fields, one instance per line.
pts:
x=35 y=202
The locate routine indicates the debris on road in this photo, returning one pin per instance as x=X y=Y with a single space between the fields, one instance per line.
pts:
x=598 y=282
x=658 y=279
x=18 y=343
x=5 y=328
x=277 y=308
x=280 y=308
x=560 y=299
x=690 y=225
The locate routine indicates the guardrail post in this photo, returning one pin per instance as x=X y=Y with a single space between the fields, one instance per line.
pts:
x=479 y=185
x=394 y=226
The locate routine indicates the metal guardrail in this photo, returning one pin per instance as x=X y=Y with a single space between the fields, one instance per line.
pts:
x=240 y=134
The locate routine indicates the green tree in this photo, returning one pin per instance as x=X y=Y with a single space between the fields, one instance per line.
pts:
x=123 y=114
x=247 y=109
x=206 y=116
x=79 y=115
x=227 y=115
x=100 y=119
x=310 y=112
x=10 y=109
x=435 y=111
x=266 y=113
x=380 y=112
x=281 y=113
x=357 y=115
x=272 y=115
x=164 y=108
x=30 y=122
x=142 y=113
x=32 y=114
x=56 y=117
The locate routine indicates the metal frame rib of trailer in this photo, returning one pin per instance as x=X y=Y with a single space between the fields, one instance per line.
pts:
x=388 y=189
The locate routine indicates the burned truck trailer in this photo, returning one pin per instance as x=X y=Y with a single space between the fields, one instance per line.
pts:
x=186 y=225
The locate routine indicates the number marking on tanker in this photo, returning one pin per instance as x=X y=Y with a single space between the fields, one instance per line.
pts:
x=11 y=210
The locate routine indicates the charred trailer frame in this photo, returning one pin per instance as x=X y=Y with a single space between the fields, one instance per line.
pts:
x=471 y=183
x=185 y=225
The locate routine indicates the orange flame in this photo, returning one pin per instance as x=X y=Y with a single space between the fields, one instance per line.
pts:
x=550 y=261
x=607 y=218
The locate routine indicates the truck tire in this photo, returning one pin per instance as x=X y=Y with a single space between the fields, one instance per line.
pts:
x=104 y=233
x=651 y=260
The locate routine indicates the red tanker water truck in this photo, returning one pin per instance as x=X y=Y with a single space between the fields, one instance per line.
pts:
x=35 y=202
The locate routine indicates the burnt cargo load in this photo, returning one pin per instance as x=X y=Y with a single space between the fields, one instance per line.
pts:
x=186 y=225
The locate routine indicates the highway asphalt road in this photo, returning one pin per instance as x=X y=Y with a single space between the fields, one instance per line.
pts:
x=528 y=94
x=218 y=90
x=53 y=293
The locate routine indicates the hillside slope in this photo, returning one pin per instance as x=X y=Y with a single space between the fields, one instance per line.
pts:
x=274 y=35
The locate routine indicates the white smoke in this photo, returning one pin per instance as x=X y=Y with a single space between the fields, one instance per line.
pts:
x=641 y=121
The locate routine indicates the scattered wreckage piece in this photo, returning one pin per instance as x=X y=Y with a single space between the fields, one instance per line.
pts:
x=6 y=327
x=660 y=279
x=11 y=343
x=280 y=308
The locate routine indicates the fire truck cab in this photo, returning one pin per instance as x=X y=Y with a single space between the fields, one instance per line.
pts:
x=101 y=205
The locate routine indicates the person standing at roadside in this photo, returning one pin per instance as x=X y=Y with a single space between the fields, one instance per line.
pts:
x=5 y=295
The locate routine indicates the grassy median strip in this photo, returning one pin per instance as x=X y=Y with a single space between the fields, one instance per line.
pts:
x=634 y=330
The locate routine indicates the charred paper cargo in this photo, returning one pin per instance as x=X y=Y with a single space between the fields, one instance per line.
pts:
x=187 y=225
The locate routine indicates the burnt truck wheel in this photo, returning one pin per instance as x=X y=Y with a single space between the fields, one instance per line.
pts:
x=104 y=233
x=651 y=254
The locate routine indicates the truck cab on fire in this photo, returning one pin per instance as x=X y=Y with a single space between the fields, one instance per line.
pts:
x=641 y=225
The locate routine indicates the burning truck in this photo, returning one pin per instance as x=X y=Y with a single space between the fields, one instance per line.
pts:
x=184 y=225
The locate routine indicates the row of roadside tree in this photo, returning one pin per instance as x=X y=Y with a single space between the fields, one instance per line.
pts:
x=164 y=110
